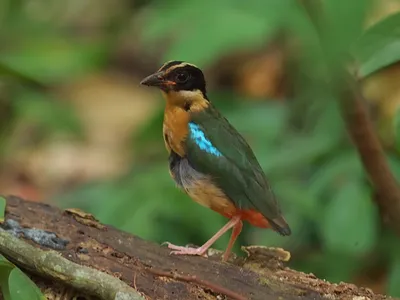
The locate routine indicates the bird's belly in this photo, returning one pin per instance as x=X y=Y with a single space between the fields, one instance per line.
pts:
x=205 y=193
x=199 y=186
x=202 y=190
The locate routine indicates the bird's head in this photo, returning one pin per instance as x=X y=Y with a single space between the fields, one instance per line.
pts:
x=180 y=79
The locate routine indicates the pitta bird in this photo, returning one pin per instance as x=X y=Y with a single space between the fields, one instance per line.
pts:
x=210 y=160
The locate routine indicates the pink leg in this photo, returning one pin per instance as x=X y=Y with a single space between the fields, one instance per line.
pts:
x=179 y=250
x=235 y=233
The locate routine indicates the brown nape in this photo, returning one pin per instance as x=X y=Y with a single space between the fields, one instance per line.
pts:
x=192 y=101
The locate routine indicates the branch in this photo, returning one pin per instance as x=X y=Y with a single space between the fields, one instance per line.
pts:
x=84 y=247
x=51 y=264
x=362 y=132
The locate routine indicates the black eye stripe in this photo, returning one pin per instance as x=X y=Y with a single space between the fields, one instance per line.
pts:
x=195 y=80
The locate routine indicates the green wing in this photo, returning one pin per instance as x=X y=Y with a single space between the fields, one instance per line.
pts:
x=232 y=165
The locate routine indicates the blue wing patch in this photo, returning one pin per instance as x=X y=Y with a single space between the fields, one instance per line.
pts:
x=198 y=136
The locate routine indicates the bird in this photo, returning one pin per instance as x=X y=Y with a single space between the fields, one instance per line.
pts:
x=210 y=160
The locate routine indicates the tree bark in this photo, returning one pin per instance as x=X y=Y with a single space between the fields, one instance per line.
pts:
x=70 y=254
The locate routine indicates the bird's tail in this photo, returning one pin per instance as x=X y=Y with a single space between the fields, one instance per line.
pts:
x=280 y=225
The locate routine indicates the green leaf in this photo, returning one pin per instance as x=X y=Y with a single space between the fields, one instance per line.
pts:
x=2 y=208
x=394 y=278
x=4 y=262
x=21 y=287
x=350 y=221
x=5 y=268
x=379 y=46
x=15 y=285
x=4 y=273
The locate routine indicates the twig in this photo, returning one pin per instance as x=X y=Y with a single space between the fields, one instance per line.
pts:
x=52 y=265
x=204 y=283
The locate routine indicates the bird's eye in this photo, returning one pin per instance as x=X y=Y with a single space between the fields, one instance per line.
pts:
x=182 y=77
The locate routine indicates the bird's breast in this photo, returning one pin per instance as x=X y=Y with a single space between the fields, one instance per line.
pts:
x=175 y=129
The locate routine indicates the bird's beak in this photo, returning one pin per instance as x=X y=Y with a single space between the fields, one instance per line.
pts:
x=156 y=79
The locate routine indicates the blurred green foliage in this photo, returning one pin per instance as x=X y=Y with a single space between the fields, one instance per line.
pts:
x=301 y=143
x=203 y=31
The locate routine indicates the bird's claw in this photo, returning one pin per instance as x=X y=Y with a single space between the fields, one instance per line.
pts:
x=172 y=246
x=181 y=250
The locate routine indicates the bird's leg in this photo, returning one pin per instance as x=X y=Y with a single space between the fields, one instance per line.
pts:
x=235 y=233
x=179 y=250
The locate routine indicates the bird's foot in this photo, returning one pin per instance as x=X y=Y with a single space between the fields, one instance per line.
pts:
x=181 y=250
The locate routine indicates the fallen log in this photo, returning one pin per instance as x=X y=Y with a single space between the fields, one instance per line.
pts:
x=70 y=255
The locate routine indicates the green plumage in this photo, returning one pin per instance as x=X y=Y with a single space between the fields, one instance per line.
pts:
x=237 y=171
